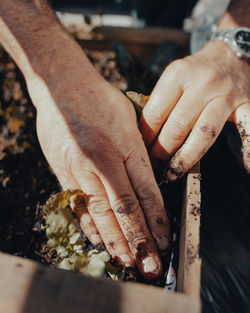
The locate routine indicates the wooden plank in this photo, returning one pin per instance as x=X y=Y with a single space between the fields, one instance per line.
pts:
x=29 y=287
x=144 y=35
x=189 y=271
x=137 y=50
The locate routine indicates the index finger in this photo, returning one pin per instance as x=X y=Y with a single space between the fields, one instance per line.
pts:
x=165 y=95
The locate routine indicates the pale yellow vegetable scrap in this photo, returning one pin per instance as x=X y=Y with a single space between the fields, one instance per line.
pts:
x=64 y=237
x=138 y=100
x=60 y=200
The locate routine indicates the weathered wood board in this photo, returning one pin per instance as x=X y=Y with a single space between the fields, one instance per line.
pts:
x=189 y=272
x=141 y=42
x=29 y=287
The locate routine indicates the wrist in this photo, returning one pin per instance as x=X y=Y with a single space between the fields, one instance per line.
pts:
x=227 y=22
x=221 y=51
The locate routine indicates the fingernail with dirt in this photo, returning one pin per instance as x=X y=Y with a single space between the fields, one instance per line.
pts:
x=170 y=176
x=162 y=242
x=151 y=266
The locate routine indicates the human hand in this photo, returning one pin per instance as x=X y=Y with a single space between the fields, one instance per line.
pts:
x=89 y=135
x=190 y=104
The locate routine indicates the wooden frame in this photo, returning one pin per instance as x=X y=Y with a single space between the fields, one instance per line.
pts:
x=29 y=287
x=189 y=272
x=141 y=42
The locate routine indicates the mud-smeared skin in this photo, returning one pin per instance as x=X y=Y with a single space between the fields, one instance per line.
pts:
x=159 y=220
x=142 y=249
x=243 y=134
x=144 y=162
x=209 y=131
x=245 y=138
x=178 y=170
x=111 y=244
x=142 y=252
x=123 y=210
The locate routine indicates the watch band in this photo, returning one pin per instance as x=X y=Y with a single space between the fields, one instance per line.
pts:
x=230 y=37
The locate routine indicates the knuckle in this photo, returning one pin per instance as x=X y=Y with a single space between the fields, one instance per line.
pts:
x=145 y=192
x=137 y=240
x=175 y=70
x=147 y=195
x=176 y=127
x=177 y=137
x=209 y=130
x=178 y=65
x=97 y=205
x=127 y=204
x=152 y=116
x=210 y=76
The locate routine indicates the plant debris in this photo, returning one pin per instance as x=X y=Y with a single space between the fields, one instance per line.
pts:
x=138 y=100
x=64 y=236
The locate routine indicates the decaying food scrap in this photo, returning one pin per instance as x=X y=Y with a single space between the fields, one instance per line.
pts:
x=138 y=100
x=64 y=237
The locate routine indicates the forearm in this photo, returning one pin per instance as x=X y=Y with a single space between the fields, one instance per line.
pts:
x=43 y=50
x=36 y=40
x=237 y=15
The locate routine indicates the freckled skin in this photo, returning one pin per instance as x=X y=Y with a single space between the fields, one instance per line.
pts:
x=210 y=132
x=111 y=244
x=159 y=220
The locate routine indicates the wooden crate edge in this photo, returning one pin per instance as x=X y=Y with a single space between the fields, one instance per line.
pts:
x=189 y=272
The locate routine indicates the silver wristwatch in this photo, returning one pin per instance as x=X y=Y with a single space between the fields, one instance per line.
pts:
x=237 y=38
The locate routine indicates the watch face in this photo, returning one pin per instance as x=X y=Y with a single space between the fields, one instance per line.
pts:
x=242 y=38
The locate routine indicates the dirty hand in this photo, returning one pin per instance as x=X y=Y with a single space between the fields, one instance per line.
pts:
x=190 y=104
x=89 y=135
x=88 y=132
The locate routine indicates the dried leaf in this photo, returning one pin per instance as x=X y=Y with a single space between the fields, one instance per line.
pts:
x=61 y=229
x=115 y=272
x=64 y=236
x=15 y=124
x=60 y=200
x=138 y=100
x=63 y=233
